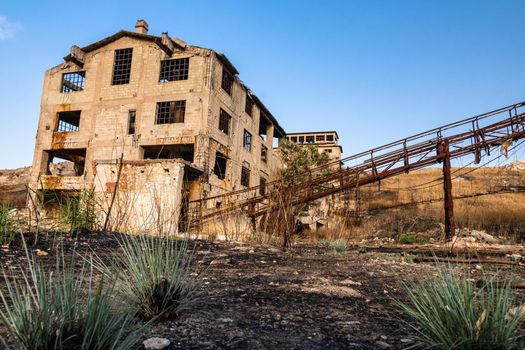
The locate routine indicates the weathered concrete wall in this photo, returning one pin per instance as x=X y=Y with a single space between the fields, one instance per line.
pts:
x=147 y=195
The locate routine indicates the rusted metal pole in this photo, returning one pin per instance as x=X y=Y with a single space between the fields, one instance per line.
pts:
x=447 y=189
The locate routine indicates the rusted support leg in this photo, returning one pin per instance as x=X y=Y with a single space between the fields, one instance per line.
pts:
x=447 y=189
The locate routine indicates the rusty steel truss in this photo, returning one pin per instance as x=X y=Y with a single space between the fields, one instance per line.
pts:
x=475 y=137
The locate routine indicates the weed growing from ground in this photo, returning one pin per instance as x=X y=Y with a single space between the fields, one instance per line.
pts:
x=448 y=312
x=50 y=310
x=6 y=225
x=157 y=280
x=339 y=246
x=409 y=238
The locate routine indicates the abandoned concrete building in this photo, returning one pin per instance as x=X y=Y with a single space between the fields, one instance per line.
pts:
x=325 y=141
x=154 y=122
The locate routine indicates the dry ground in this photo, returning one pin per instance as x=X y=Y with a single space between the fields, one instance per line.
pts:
x=258 y=297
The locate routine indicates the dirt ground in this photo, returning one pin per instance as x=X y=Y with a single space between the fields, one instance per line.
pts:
x=258 y=297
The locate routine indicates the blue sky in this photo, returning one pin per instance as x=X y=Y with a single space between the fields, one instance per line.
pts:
x=375 y=71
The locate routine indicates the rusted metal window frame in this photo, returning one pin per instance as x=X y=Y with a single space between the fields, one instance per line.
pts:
x=132 y=118
x=247 y=140
x=221 y=173
x=174 y=69
x=75 y=83
x=227 y=81
x=122 y=66
x=170 y=112
x=63 y=125
x=224 y=121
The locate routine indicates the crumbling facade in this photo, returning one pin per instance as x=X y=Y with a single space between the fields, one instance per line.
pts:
x=150 y=123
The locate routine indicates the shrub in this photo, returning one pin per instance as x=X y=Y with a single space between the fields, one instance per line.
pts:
x=413 y=239
x=339 y=246
x=448 y=312
x=156 y=279
x=51 y=311
x=6 y=225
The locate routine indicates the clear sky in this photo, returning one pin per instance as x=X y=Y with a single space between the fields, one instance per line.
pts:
x=375 y=71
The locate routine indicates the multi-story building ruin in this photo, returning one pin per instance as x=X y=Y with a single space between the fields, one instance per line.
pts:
x=150 y=122
x=325 y=141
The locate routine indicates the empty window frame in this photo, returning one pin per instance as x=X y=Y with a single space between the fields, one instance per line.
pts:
x=68 y=121
x=309 y=139
x=248 y=107
x=264 y=153
x=329 y=138
x=227 y=81
x=262 y=186
x=293 y=139
x=73 y=81
x=319 y=138
x=301 y=139
x=221 y=161
x=173 y=70
x=182 y=151
x=245 y=176
x=224 y=122
x=122 y=66
x=132 y=114
x=170 y=112
x=247 y=141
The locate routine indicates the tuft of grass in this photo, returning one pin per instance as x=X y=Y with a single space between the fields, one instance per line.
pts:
x=78 y=212
x=324 y=242
x=7 y=225
x=50 y=310
x=339 y=246
x=448 y=312
x=156 y=278
x=412 y=238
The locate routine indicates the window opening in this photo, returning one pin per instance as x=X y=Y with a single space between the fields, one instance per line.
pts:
x=170 y=112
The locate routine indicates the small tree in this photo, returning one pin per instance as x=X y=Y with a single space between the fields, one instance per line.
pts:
x=299 y=160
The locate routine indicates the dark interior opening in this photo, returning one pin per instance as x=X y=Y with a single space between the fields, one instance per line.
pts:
x=221 y=162
x=170 y=152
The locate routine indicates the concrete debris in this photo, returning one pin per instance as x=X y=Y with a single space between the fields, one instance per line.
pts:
x=156 y=343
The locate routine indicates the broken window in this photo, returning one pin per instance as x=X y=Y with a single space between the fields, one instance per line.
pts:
x=173 y=70
x=131 y=122
x=70 y=162
x=227 y=81
x=220 y=165
x=247 y=141
x=248 y=108
x=309 y=139
x=264 y=153
x=68 y=121
x=262 y=186
x=329 y=137
x=293 y=139
x=224 y=122
x=319 y=138
x=122 y=66
x=170 y=112
x=184 y=151
x=72 y=82
x=301 y=139
x=245 y=176
x=263 y=127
